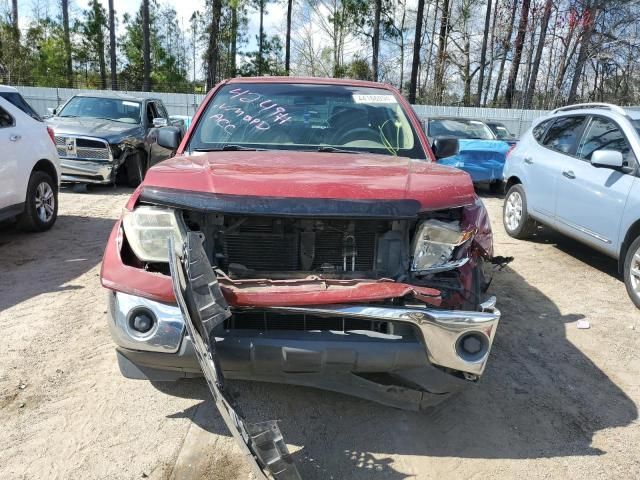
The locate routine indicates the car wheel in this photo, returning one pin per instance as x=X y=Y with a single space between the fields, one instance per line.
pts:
x=515 y=216
x=632 y=271
x=135 y=170
x=41 y=204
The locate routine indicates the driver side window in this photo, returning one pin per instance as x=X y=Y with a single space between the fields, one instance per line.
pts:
x=604 y=134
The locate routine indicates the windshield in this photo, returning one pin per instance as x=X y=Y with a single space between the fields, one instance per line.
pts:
x=107 y=108
x=451 y=127
x=305 y=117
x=502 y=132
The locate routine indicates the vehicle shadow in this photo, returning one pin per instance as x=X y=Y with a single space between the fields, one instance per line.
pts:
x=540 y=397
x=37 y=263
x=578 y=250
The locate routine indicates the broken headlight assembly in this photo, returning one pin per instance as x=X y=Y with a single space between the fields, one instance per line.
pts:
x=434 y=245
x=147 y=230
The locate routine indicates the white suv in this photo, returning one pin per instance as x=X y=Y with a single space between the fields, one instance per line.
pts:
x=29 y=165
x=577 y=171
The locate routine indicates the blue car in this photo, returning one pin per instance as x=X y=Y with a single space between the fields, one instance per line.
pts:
x=480 y=153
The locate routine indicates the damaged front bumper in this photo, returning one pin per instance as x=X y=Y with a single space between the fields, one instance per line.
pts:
x=423 y=355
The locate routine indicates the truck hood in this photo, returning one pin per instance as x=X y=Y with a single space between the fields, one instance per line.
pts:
x=314 y=175
x=109 y=130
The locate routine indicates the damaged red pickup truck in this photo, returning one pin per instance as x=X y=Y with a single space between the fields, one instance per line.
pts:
x=303 y=234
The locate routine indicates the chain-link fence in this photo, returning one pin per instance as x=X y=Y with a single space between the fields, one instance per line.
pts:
x=45 y=99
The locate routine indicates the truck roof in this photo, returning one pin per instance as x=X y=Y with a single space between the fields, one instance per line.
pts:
x=115 y=95
x=311 y=80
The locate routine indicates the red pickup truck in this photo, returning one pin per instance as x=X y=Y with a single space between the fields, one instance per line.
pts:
x=302 y=233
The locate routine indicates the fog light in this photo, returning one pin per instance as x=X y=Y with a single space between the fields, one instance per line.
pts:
x=472 y=346
x=141 y=320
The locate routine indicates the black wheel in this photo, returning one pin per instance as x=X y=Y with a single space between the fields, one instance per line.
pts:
x=515 y=216
x=135 y=166
x=41 y=204
x=632 y=271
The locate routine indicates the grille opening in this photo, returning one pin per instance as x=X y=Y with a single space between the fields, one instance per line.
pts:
x=266 y=321
x=267 y=244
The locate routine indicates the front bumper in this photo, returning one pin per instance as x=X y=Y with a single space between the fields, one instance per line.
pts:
x=343 y=361
x=87 y=171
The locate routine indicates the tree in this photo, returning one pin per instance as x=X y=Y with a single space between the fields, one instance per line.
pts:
x=506 y=47
x=483 y=54
x=93 y=37
x=213 y=53
x=416 y=52
x=146 y=47
x=533 y=77
x=14 y=20
x=112 y=47
x=377 y=7
x=67 y=42
x=517 y=53
x=287 y=49
x=591 y=14
x=438 y=82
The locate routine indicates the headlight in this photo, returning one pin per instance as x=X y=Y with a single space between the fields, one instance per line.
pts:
x=434 y=244
x=147 y=230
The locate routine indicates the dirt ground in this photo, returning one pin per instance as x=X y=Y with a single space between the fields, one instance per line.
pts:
x=555 y=401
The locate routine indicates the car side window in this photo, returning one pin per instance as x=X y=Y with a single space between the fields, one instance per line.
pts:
x=151 y=113
x=564 y=134
x=162 y=113
x=6 y=120
x=604 y=134
x=538 y=130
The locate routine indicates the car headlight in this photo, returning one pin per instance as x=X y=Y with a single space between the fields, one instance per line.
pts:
x=434 y=244
x=147 y=230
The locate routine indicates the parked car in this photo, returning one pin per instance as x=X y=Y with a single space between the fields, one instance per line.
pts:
x=501 y=132
x=313 y=241
x=480 y=153
x=101 y=135
x=576 y=171
x=29 y=165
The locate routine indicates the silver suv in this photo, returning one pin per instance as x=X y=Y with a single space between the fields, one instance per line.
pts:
x=577 y=171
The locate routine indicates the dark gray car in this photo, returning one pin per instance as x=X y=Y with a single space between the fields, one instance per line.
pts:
x=102 y=136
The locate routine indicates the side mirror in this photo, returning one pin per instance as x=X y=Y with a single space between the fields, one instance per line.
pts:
x=607 y=159
x=444 y=147
x=160 y=122
x=169 y=138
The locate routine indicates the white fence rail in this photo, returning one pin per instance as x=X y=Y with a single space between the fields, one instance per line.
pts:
x=517 y=121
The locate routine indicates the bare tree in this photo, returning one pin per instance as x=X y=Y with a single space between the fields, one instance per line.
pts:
x=438 y=83
x=517 y=53
x=592 y=11
x=536 y=61
x=491 y=54
x=506 y=47
x=112 y=47
x=416 y=52
x=483 y=54
x=14 y=20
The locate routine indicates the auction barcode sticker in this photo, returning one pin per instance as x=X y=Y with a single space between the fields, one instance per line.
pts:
x=362 y=98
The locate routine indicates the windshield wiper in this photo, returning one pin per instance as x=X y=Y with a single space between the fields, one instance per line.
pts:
x=229 y=148
x=328 y=149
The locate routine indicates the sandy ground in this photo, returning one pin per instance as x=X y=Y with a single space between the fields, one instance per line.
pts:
x=555 y=401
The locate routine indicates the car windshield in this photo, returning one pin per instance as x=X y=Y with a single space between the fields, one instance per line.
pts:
x=502 y=132
x=456 y=128
x=116 y=109
x=306 y=117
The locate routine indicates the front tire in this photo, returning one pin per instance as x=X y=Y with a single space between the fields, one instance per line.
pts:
x=515 y=216
x=41 y=204
x=135 y=170
x=632 y=271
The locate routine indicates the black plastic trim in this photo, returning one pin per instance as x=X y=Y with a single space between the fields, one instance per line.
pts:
x=280 y=206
